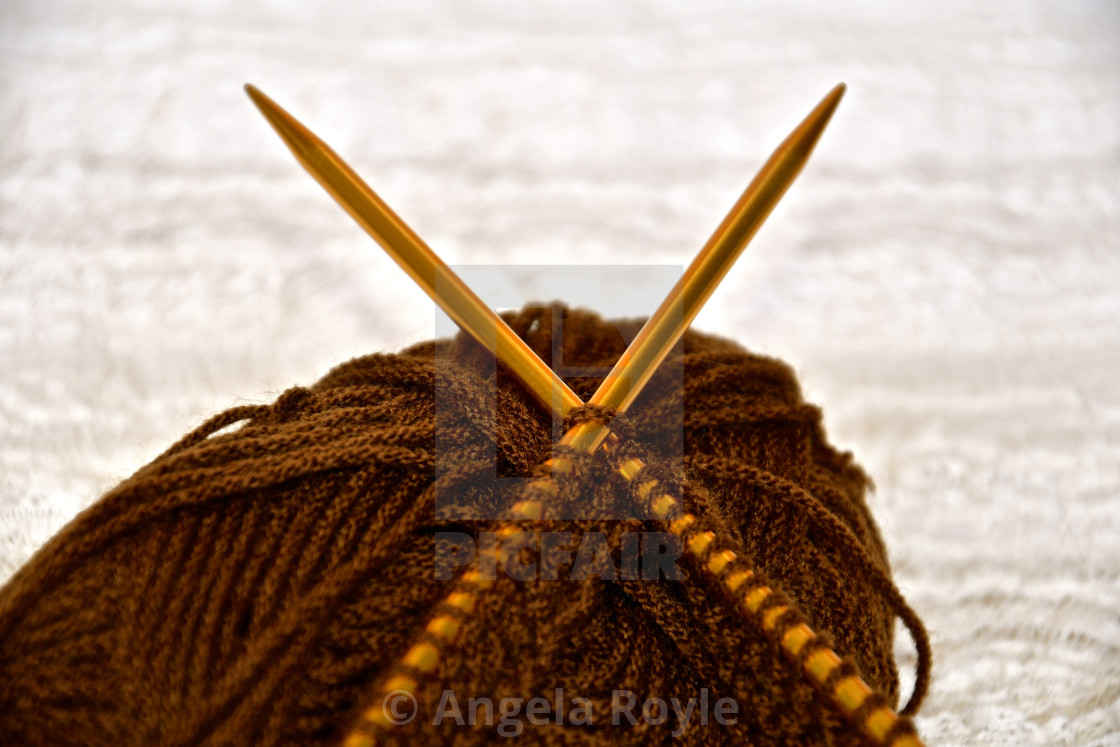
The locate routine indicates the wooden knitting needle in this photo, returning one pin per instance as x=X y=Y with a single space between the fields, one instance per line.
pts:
x=415 y=257
x=662 y=331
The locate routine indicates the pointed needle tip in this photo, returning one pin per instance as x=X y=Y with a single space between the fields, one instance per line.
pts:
x=832 y=100
x=256 y=95
x=298 y=138
x=805 y=136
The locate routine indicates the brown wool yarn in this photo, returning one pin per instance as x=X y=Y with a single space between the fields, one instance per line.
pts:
x=252 y=586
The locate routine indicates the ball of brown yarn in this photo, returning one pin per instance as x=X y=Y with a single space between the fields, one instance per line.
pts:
x=252 y=587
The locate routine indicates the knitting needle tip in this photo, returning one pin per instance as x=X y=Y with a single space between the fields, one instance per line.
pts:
x=298 y=138
x=806 y=135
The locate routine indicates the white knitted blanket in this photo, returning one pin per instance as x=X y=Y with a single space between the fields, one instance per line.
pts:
x=945 y=276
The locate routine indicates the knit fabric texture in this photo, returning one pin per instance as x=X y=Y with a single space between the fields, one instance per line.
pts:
x=254 y=583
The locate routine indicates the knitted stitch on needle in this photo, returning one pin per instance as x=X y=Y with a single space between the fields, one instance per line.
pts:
x=252 y=586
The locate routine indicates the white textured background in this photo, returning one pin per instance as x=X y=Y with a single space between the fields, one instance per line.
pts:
x=945 y=276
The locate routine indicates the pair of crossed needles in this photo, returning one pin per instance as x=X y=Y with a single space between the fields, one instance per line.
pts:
x=879 y=723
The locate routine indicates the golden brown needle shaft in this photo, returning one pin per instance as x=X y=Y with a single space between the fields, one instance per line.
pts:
x=415 y=257
x=657 y=337
x=680 y=307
